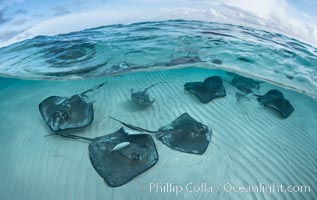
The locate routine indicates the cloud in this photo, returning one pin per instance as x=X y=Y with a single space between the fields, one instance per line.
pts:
x=68 y=8
x=38 y=15
x=6 y=3
x=20 y=12
x=272 y=15
x=310 y=1
x=3 y=18
x=6 y=35
x=19 y=22
x=61 y=10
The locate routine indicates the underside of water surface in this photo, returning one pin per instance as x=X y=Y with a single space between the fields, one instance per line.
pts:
x=116 y=49
x=252 y=143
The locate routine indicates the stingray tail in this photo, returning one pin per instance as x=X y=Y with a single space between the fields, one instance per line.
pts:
x=93 y=89
x=146 y=89
x=66 y=135
x=133 y=127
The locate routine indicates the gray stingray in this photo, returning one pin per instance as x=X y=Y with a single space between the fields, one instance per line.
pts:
x=208 y=90
x=275 y=100
x=142 y=97
x=183 y=60
x=63 y=113
x=184 y=134
x=217 y=61
x=245 y=84
x=119 y=157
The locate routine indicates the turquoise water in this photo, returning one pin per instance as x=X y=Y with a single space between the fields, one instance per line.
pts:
x=249 y=145
x=119 y=48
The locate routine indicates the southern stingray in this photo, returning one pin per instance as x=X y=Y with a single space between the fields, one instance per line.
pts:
x=244 y=84
x=274 y=99
x=142 y=97
x=63 y=113
x=119 y=157
x=208 y=90
x=217 y=61
x=184 y=134
x=183 y=60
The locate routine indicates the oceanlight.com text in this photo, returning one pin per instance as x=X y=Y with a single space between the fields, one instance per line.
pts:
x=227 y=187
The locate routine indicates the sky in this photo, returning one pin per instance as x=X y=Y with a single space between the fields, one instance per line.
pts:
x=23 y=19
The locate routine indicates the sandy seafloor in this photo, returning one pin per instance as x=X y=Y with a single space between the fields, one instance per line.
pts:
x=249 y=144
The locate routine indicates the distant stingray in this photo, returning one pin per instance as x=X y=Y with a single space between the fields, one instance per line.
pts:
x=184 y=134
x=62 y=113
x=245 y=59
x=275 y=100
x=217 y=61
x=119 y=157
x=183 y=60
x=245 y=84
x=142 y=97
x=208 y=90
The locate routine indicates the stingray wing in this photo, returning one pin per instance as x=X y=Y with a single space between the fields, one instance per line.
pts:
x=62 y=113
x=185 y=134
x=274 y=99
x=199 y=90
x=141 y=98
x=282 y=106
x=245 y=84
x=120 y=166
x=208 y=90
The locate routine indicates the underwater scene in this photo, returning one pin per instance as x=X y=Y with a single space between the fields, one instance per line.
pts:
x=173 y=109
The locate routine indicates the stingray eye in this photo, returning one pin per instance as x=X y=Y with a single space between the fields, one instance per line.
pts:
x=203 y=128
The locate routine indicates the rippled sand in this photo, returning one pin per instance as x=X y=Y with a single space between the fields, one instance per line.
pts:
x=249 y=144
